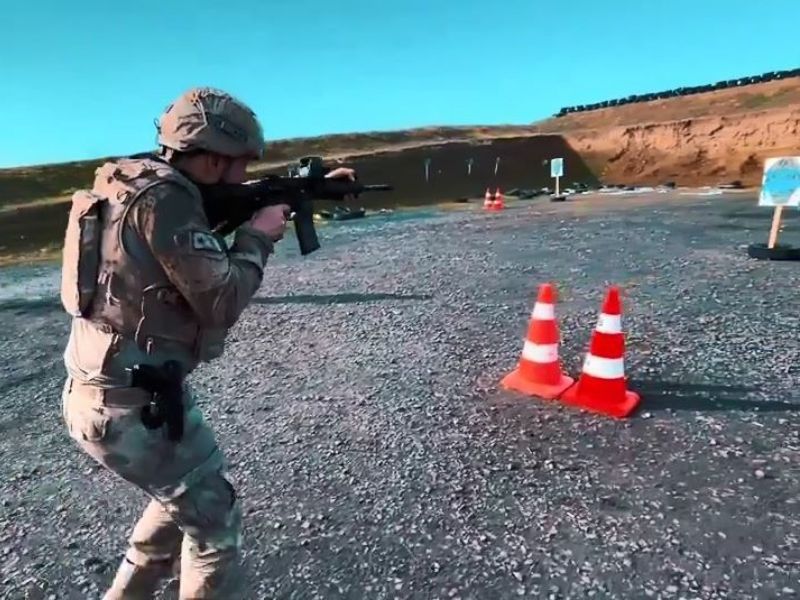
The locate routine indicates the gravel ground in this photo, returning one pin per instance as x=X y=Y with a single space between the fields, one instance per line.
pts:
x=358 y=402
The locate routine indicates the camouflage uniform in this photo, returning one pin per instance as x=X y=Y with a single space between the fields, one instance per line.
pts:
x=146 y=281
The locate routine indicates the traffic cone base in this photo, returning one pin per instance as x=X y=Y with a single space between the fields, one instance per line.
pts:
x=517 y=382
x=498 y=200
x=602 y=403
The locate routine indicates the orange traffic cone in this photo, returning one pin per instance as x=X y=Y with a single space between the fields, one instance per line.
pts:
x=498 y=200
x=539 y=370
x=488 y=200
x=602 y=386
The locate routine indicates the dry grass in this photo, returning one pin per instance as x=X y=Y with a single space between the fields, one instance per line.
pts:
x=48 y=254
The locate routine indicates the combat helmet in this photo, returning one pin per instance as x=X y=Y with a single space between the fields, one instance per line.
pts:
x=205 y=118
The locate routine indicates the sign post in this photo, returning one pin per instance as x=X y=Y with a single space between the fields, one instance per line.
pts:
x=780 y=187
x=496 y=165
x=776 y=225
x=557 y=170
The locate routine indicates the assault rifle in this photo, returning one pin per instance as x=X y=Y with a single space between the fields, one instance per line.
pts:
x=229 y=205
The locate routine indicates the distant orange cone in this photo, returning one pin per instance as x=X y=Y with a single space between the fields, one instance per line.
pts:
x=538 y=372
x=602 y=386
x=488 y=200
x=499 y=204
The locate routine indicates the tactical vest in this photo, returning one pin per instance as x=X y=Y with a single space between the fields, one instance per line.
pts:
x=111 y=278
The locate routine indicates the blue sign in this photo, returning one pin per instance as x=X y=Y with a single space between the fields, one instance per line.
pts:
x=781 y=183
x=557 y=167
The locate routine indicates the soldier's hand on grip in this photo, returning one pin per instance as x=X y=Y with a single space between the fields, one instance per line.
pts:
x=271 y=220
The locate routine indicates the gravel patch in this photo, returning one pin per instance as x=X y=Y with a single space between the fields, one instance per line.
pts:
x=358 y=403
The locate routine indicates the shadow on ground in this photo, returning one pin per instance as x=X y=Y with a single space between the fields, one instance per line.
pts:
x=22 y=306
x=336 y=298
x=27 y=305
x=663 y=395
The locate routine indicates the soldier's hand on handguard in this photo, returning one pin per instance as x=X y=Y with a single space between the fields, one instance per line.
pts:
x=271 y=220
x=342 y=173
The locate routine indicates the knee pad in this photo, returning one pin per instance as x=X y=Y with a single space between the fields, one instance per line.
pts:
x=209 y=512
x=135 y=581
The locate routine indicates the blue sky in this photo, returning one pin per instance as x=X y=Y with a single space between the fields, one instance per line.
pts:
x=85 y=79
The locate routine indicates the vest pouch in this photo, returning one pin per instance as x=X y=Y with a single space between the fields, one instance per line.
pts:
x=81 y=253
x=167 y=323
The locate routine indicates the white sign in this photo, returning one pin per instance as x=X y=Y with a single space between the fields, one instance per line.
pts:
x=557 y=167
x=780 y=185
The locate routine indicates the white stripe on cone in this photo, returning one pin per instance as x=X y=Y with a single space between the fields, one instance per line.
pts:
x=609 y=323
x=543 y=312
x=540 y=353
x=604 y=368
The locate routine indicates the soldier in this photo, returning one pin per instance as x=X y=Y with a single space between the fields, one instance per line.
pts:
x=148 y=283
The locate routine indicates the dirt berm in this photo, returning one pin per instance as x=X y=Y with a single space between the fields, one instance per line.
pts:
x=26 y=230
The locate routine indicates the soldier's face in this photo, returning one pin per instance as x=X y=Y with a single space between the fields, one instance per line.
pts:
x=216 y=168
x=209 y=169
x=236 y=171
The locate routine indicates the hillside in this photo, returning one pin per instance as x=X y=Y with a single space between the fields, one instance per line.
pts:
x=698 y=139
x=702 y=139
x=31 y=184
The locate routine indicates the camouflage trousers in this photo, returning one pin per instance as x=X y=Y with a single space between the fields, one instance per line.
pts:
x=193 y=520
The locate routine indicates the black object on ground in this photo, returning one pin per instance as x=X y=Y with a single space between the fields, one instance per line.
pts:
x=777 y=252
x=342 y=213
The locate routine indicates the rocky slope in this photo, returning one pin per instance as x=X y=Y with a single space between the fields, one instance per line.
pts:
x=703 y=139
x=691 y=151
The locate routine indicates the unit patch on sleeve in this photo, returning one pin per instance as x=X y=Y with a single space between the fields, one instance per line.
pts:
x=205 y=241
